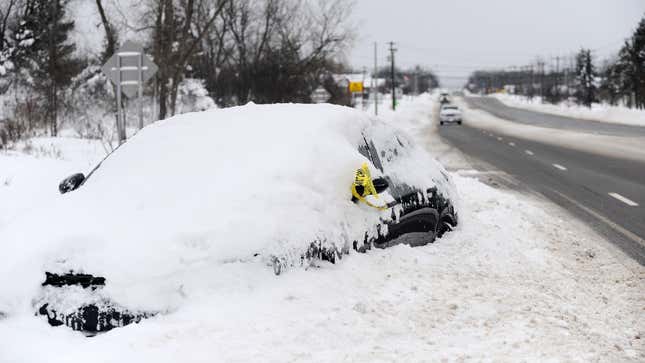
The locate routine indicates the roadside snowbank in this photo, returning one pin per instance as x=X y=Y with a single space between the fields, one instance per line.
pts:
x=519 y=280
x=597 y=112
x=514 y=282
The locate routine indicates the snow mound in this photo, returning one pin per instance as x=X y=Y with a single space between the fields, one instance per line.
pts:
x=200 y=190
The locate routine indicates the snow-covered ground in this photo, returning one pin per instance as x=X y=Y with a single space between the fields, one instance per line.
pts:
x=29 y=175
x=597 y=112
x=519 y=280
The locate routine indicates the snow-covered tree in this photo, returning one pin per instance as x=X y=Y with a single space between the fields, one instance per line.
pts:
x=193 y=96
x=43 y=55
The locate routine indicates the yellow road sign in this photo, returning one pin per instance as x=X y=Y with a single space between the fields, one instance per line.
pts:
x=355 y=87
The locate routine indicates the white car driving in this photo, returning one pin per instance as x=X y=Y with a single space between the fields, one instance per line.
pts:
x=450 y=113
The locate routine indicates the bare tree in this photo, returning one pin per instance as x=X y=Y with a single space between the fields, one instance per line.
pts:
x=282 y=47
x=7 y=8
x=110 y=35
x=174 y=42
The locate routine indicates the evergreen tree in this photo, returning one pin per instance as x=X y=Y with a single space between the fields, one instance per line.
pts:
x=44 y=53
x=626 y=76
x=636 y=59
x=611 y=87
x=585 y=78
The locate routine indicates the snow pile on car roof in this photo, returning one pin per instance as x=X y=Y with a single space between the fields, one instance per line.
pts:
x=200 y=190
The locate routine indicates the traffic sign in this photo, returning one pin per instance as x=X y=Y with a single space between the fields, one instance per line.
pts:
x=320 y=95
x=355 y=87
x=129 y=66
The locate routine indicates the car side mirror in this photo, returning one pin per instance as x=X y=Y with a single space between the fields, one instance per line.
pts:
x=70 y=183
x=380 y=184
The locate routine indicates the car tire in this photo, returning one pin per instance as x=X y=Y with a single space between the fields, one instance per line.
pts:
x=440 y=122
x=447 y=221
x=458 y=122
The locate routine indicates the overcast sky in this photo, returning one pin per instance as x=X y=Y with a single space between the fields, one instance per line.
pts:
x=453 y=37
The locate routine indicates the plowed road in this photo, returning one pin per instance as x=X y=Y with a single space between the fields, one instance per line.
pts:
x=608 y=192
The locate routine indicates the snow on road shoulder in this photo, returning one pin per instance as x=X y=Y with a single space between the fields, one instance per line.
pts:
x=598 y=112
x=513 y=282
x=517 y=280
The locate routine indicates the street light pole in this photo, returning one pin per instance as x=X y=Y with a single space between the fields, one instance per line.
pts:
x=392 y=50
x=375 y=83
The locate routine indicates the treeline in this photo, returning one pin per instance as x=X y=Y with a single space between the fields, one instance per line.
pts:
x=411 y=81
x=237 y=51
x=620 y=80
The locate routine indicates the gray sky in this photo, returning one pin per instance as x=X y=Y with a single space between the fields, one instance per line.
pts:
x=453 y=37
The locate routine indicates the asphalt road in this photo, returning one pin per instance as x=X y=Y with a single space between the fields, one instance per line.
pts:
x=497 y=108
x=607 y=193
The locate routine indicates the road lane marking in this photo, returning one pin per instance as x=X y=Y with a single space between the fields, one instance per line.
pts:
x=611 y=224
x=499 y=139
x=559 y=166
x=511 y=143
x=627 y=201
x=529 y=152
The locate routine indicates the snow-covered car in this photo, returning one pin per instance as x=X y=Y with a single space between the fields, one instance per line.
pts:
x=160 y=218
x=449 y=114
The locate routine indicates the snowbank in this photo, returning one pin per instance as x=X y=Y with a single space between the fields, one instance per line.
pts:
x=519 y=280
x=597 y=112
x=515 y=282
x=30 y=174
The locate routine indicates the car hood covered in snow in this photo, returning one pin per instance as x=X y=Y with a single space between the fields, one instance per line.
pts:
x=200 y=190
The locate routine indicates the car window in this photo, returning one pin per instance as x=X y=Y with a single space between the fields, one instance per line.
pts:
x=392 y=148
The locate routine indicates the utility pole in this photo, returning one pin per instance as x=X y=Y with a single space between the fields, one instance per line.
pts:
x=392 y=50
x=375 y=82
x=557 y=77
x=532 y=81
x=540 y=69
x=363 y=103
x=416 y=80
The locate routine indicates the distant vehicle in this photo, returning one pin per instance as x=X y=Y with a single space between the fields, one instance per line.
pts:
x=187 y=195
x=449 y=113
x=444 y=97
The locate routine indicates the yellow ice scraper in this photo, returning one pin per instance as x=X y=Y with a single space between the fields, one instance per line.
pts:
x=364 y=186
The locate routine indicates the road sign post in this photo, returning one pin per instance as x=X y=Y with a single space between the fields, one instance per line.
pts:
x=140 y=66
x=120 y=125
x=129 y=68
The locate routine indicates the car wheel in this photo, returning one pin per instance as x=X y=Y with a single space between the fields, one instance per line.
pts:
x=440 y=122
x=458 y=122
x=447 y=221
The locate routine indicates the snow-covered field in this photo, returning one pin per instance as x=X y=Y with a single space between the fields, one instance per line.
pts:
x=597 y=112
x=519 y=280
